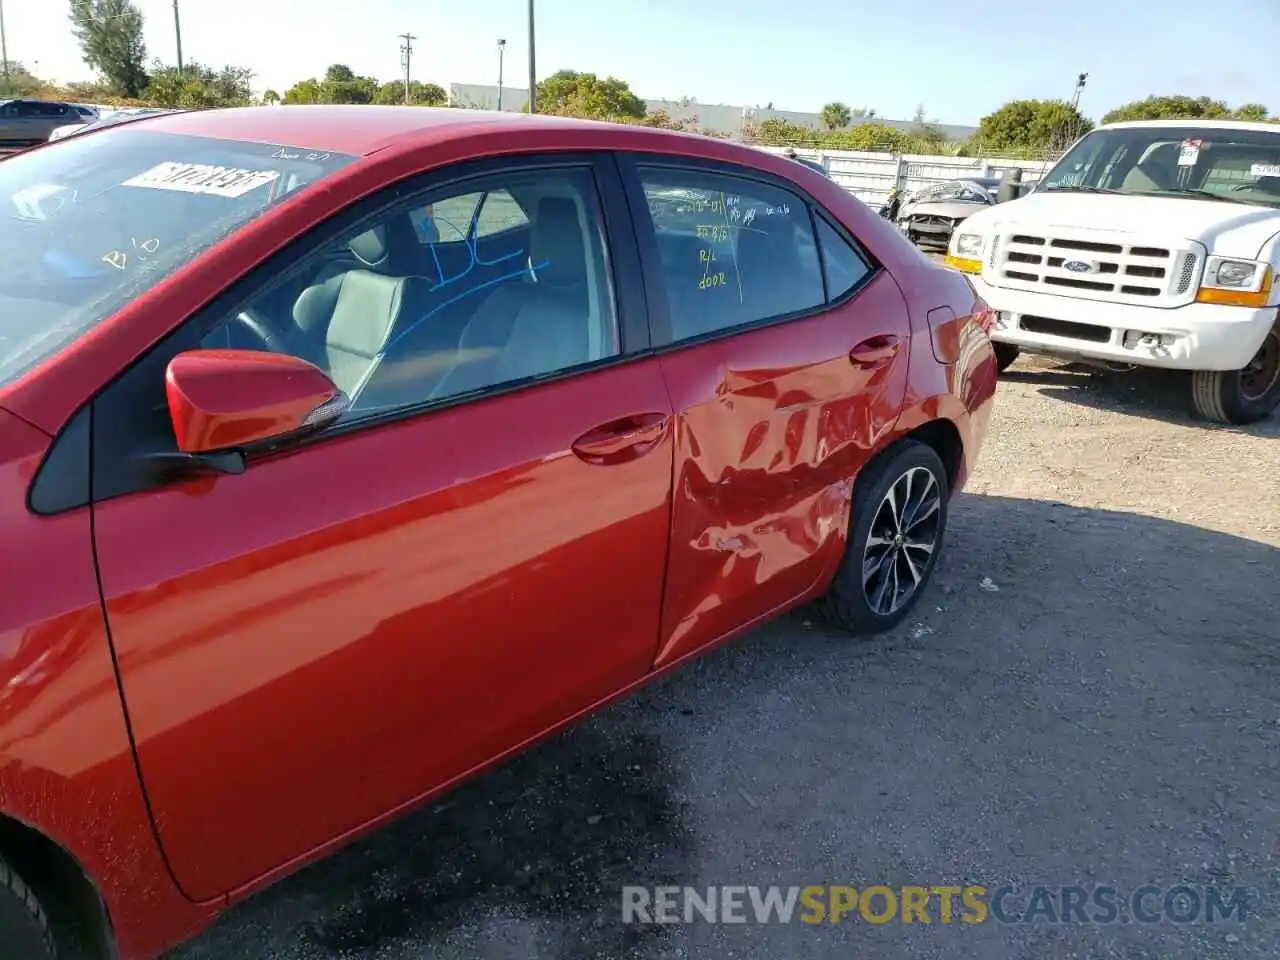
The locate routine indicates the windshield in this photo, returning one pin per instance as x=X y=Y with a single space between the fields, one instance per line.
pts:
x=1239 y=166
x=963 y=190
x=90 y=223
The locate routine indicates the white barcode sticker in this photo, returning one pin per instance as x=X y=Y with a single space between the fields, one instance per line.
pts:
x=1265 y=170
x=1189 y=153
x=215 y=181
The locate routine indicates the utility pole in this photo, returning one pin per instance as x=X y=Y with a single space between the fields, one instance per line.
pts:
x=406 y=49
x=502 y=46
x=177 y=32
x=4 y=48
x=533 y=72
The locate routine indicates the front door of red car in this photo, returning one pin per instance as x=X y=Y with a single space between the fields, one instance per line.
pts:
x=476 y=555
x=788 y=365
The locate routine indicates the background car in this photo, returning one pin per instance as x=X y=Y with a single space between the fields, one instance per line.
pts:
x=24 y=123
x=120 y=115
x=930 y=215
x=355 y=434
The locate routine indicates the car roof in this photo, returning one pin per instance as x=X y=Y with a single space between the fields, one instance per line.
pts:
x=1188 y=122
x=361 y=130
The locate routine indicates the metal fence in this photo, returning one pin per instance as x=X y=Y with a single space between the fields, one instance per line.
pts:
x=870 y=176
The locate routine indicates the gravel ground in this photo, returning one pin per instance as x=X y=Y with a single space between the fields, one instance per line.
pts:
x=1108 y=714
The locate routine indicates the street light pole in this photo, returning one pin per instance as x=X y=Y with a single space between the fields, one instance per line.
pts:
x=1080 y=81
x=502 y=47
x=533 y=72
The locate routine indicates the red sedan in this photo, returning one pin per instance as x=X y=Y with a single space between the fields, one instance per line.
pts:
x=347 y=451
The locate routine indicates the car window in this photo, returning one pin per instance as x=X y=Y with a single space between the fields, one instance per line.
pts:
x=408 y=309
x=453 y=220
x=844 y=266
x=26 y=109
x=732 y=251
x=448 y=221
x=499 y=211
x=91 y=223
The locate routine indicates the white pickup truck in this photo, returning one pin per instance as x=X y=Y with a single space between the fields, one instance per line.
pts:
x=1153 y=244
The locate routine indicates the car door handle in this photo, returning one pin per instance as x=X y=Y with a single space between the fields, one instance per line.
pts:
x=875 y=352
x=622 y=440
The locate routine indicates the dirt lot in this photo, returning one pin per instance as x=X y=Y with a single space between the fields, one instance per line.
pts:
x=1108 y=715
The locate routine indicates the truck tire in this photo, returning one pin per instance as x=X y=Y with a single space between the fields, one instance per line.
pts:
x=1006 y=353
x=24 y=927
x=1240 y=397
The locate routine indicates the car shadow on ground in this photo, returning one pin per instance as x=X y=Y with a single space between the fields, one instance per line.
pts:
x=1082 y=694
x=1147 y=392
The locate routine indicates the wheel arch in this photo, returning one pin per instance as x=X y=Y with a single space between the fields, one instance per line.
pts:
x=940 y=433
x=69 y=895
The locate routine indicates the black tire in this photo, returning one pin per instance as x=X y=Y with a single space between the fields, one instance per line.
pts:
x=24 y=927
x=1006 y=353
x=848 y=603
x=1240 y=397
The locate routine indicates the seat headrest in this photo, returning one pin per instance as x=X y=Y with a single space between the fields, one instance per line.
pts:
x=370 y=247
x=556 y=251
x=366 y=312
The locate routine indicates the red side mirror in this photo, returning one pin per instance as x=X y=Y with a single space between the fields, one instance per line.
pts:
x=232 y=399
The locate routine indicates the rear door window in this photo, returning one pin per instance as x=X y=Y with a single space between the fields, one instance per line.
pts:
x=733 y=251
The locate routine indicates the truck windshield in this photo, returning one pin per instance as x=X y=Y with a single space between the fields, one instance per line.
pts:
x=92 y=222
x=1207 y=163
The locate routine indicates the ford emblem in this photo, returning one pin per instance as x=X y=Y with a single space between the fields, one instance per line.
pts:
x=1077 y=266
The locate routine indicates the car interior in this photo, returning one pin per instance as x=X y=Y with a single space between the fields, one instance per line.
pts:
x=396 y=320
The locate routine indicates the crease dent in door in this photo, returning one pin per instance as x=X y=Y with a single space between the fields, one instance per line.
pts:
x=763 y=483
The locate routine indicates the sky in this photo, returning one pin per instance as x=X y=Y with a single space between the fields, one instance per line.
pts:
x=960 y=60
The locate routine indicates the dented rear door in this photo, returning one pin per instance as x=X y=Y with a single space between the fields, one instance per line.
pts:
x=773 y=416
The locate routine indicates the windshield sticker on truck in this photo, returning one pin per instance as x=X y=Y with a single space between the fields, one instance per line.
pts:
x=214 y=181
x=1189 y=153
x=1265 y=170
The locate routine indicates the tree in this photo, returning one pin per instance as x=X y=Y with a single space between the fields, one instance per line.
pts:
x=22 y=82
x=1032 y=125
x=1170 y=108
x=570 y=93
x=339 y=85
x=836 y=115
x=664 y=121
x=1252 y=111
x=420 y=94
x=305 y=91
x=199 y=86
x=110 y=37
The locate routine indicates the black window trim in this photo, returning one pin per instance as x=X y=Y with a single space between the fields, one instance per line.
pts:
x=630 y=163
x=621 y=264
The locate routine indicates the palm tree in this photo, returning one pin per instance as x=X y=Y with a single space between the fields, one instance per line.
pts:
x=836 y=115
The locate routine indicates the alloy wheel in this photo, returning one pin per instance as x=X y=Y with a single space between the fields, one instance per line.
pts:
x=902 y=540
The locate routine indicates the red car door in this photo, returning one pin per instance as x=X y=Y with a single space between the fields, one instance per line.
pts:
x=786 y=366
x=315 y=643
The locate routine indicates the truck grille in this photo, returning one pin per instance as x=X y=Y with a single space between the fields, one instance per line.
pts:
x=1127 y=270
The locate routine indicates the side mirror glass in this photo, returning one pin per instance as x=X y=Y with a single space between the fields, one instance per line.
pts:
x=234 y=400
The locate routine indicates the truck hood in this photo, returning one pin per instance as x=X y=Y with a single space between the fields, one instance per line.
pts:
x=1226 y=229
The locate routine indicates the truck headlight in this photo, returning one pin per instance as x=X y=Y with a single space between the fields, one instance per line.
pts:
x=969 y=245
x=1242 y=283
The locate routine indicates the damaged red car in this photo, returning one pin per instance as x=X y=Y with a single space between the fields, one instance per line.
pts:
x=347 y=451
